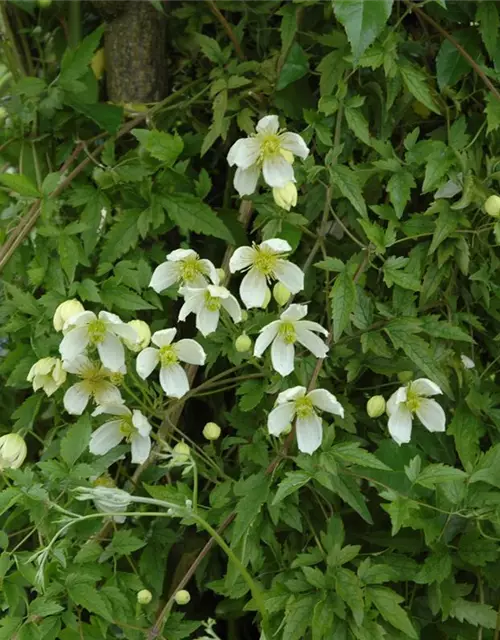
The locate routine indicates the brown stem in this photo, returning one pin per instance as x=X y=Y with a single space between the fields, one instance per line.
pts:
x=227 y=28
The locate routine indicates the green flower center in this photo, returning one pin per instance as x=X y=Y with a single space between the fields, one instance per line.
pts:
x=412 y=400
x=97 y=330
x=190 y=269
x=93 y=378
x=211 y=303
x=287 y=332
x=304 y=407
x=168 y=357
x=116 y=378
x=270 y=144
x=127 y=429
x=265 y=261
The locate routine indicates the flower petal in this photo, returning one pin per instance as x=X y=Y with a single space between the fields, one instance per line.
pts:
x=295 y=312
x=141 y=423
x=244 y=152
x=312 y=326
x=311 y=341
x=425 y=387
x=209 y=270
x=107 y=393
x=232 y=306
x=125 y=331
x=431 y=415
x=277 y=245
x=245 y=180
x=280 y=417
x=396 y=399
x=181 y=254
x=193 y=301
x=282 y=356
x=400 y=425
x=294 y=143
x=326 y=401
x=147 y=361
x=207 y=321
x=164 y=276
x=106 y=438
x=111 y=409
x=111 y=352
x=110 y=318
x=80 y=319
x=74 y=343
x=268 y=124
x=141 y=448
x=266 y=336
x=77 y=364
x=309 y=433
x=164 y=337
x=190 y=351
x=290 y=275
x=174 y=381
x=277 y=171
x=253 y=289
x=242 y=258
x=291 y=394
x=76 y=399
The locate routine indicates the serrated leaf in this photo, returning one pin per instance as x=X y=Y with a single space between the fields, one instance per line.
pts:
x=399 y=188
x=348 y=587
x=363 y=21
x=450 y=65
x=347 y=182
x=492 y=112
x=446 y=224
x=475 y=613
x=20 y=184
x=416 y=83
x=295 y=67
x=387 y=603
x=161 y=145
x=437 y=473
x=489 y=23
x=76 y=440
x=395 y=273
x=75 y=62
x=123 y=236
x=254 y=490
x=191 y=214
x=467 y=430
x=84 y=594
x=293 y=481
x=352 y=453
x=123 y=544
x=298 y=616
x=68 y=254
x=343 y=299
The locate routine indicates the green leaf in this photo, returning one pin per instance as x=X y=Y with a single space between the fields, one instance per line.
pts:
x=436 y=568
x=446 y=224
x=347 y=182
x=492 y=112
x=330 y=264
x=416 y=83
x=296 y=66
x=363 y=21
x=162 y=146
x=399 y=188
x=210 y=48
x=437 y=473
x=44 y=607
x=395 y=273
x=450 y=65
x=123 y=543
x=22 y=300
x=358 y=124
x=123 y=297
x=68 y=254
x=467 y=430
x=298 y=616
x=108 y=116
x=191 y=214
x=254 y=491
x=343 y=299
x=489 y=24
x=84 y=594
x=76 y=440
x=475 y=613
x=348 y=587
x=323 y=620
x=352 y=453
x=20 y=184
x=75 y=62
x=294 y=480
x=387 y=603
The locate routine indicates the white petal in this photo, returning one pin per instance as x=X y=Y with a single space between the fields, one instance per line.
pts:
x=181 y=254
x=396 y=399
x=425 y=387
x=311 y=341
x=210 y=270
x=253 y=289
x=77 y=364
x=280 y=417
x=290 y=275
x=141 y=423
x=164 y=337
x=266 y=336
x=400 y=425
x=277 y=245
x=326 y=401
x=164 y=276
x=311 y=326
x=173 y=380
x=80 y=319
x=216 y=291
x=467 y=362
x=147 y=361
x=232 y=306
x=106 y=438
x=74 y=343
x=431 y=415
x=194 y=302
x=107 y=393
x=141 y=447
x=309 y=433
x=207 y=321
x=282 y=356
x=268 y=124
x=294 y=143
x=111 y=352
x=242 y=258
x=295 y=312
x=245 y=180
x=125 y=331
x=244 y=152
x=110 y=318
x=76 y=399
x=111 y=409
x=277 y=171
x=190 y=351
x=291 y=394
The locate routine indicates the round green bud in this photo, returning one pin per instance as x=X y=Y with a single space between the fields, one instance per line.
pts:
x=242 y=343
x=375 y=406
x=492 y=206
x=181 y=452
x=267 y=298
x=182 y=597
x=281 y=294
x=222 y=274
x=405 y=376
x=43 y=4
x=144 y=596
x=211 y=431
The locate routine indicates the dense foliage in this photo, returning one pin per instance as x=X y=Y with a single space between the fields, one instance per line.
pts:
x=363 y=539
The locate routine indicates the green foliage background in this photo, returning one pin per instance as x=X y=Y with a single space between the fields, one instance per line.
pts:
x=364 y=539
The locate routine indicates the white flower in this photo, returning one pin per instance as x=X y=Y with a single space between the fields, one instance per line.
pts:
x=13 y=451
x=184 y=267
x=297 y=403
x=131 y=425
x=144 y=335
x=410 y=399
x=467 y=362
x=206 y=302
x=173 y=378
x=104 y=332
x=95 y=384
x=265 y=263
x=47 y=374
x=267 y=150
x=285 y=332
x=65 y=311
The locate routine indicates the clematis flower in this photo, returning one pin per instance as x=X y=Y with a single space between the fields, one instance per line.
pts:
x=95 y=383
x=285 y=197
x=13 y=451
x=47 y=374
x=285 y=332
x=265 y=263
x=206 y=303
x=104 y=332
x=173 y=378
x=107 y=499
x=65 y=311
x=297 y=404
x=184 y=267
x=129 y=425
x=410 y=399
x=268 y=150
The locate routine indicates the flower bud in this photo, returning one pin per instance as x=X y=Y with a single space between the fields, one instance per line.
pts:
x=182 y=597
x=375 y=406
x=144 y=596
x=211 y=431
x=281 y=294
x=467 y=362
x=65 y=311
x=267 y=299
x=222 y=274
x=244 y=315
x=181 y=453
x=492 y=206
x=405 y=376
x=242 y=343
x=13 y=451
x=143 y=333
x=47 y=374
x=285 y=197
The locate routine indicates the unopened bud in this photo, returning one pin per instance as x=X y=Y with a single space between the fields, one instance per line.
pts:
x=181 y=452
x=285 y=197
x=492 y=206
x=375 y=406
x=47 y=374
x=242 y=343
x=281 y=294
x=182 y=597
x=13 y=451
x=267 y=299
x=144 y=596
x=143 y=333
x=211 y=431
x=65 y=311
x=405 y=376
x=222 y=274
x=244 y=315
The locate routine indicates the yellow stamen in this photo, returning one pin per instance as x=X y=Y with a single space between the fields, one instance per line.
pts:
x=97 y=330
x=191 y=268
x=211 y=303
x=265 y=261
x=168 y=357
x=303 y=407
x=288 y=333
